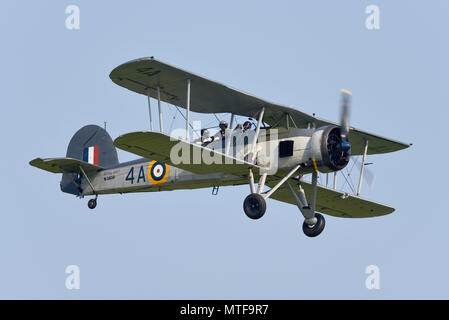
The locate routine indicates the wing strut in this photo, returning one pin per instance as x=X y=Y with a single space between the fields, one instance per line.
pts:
x=159 y=108
x=149 y=109
x=256 y=136
x=362 y=168
x=188 y=110
x=229 y=135
x=335 y=180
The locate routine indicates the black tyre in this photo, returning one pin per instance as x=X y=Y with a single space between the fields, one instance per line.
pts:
x=316 y=229
x=254 y=206
x=92 y=203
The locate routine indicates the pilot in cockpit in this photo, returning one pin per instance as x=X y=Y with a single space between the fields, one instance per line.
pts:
x=205 y=137
x=246 y=126
x=222 y=133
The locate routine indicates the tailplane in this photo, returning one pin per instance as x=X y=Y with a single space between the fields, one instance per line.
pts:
x=90 y=149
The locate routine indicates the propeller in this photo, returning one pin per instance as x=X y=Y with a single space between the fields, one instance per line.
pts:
x=344 y=123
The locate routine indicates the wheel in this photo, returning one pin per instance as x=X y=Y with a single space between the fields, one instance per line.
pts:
x=316 y=229
x=92 y=203
x=254 y=206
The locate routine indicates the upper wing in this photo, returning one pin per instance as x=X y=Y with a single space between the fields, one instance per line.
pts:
x=206 y=96
x=197 y=159
x=209 y=96
x=335 y=203
x=63 y=165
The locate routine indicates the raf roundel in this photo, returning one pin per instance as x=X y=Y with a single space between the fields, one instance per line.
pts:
x=157 y=172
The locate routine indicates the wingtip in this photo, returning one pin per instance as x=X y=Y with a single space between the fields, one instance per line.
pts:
x=34 y=161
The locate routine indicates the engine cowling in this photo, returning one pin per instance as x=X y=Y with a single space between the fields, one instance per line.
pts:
x=326 y=149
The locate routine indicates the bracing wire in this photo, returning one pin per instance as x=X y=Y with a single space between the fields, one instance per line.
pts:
x=346 y=180
x=186 y=120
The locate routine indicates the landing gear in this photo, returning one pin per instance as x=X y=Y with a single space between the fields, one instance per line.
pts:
x=92 y=203
x=254 y=206
x=316 y=229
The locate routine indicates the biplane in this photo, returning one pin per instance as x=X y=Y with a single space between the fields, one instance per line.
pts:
x=281 y=145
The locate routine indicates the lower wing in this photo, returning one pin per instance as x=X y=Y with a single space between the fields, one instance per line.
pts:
x=335 y=203
x=162 y=147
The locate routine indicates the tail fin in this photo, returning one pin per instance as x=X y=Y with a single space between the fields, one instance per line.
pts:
x=91 y=144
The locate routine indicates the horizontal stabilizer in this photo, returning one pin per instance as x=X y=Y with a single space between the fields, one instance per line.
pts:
x=335 y=203
x=63 y=165
x=158 y=146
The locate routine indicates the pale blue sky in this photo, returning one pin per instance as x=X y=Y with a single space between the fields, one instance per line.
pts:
x=190 y=244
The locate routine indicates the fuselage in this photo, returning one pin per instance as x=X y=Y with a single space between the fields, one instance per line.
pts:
x=136 y=176
x=278 y=150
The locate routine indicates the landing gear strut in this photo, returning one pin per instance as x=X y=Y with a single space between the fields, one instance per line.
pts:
x=92 y=203
x=314 y=222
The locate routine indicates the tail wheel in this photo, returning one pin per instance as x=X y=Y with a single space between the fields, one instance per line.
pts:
x=254 y=206
x=316 y=229
x=92 y=203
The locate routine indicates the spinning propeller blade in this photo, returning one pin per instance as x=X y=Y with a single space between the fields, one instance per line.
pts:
x=344 y=124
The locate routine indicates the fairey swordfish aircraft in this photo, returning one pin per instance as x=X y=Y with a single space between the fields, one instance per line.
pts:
x=276 y=150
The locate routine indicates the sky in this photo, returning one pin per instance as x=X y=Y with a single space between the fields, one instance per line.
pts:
x=192 y=244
